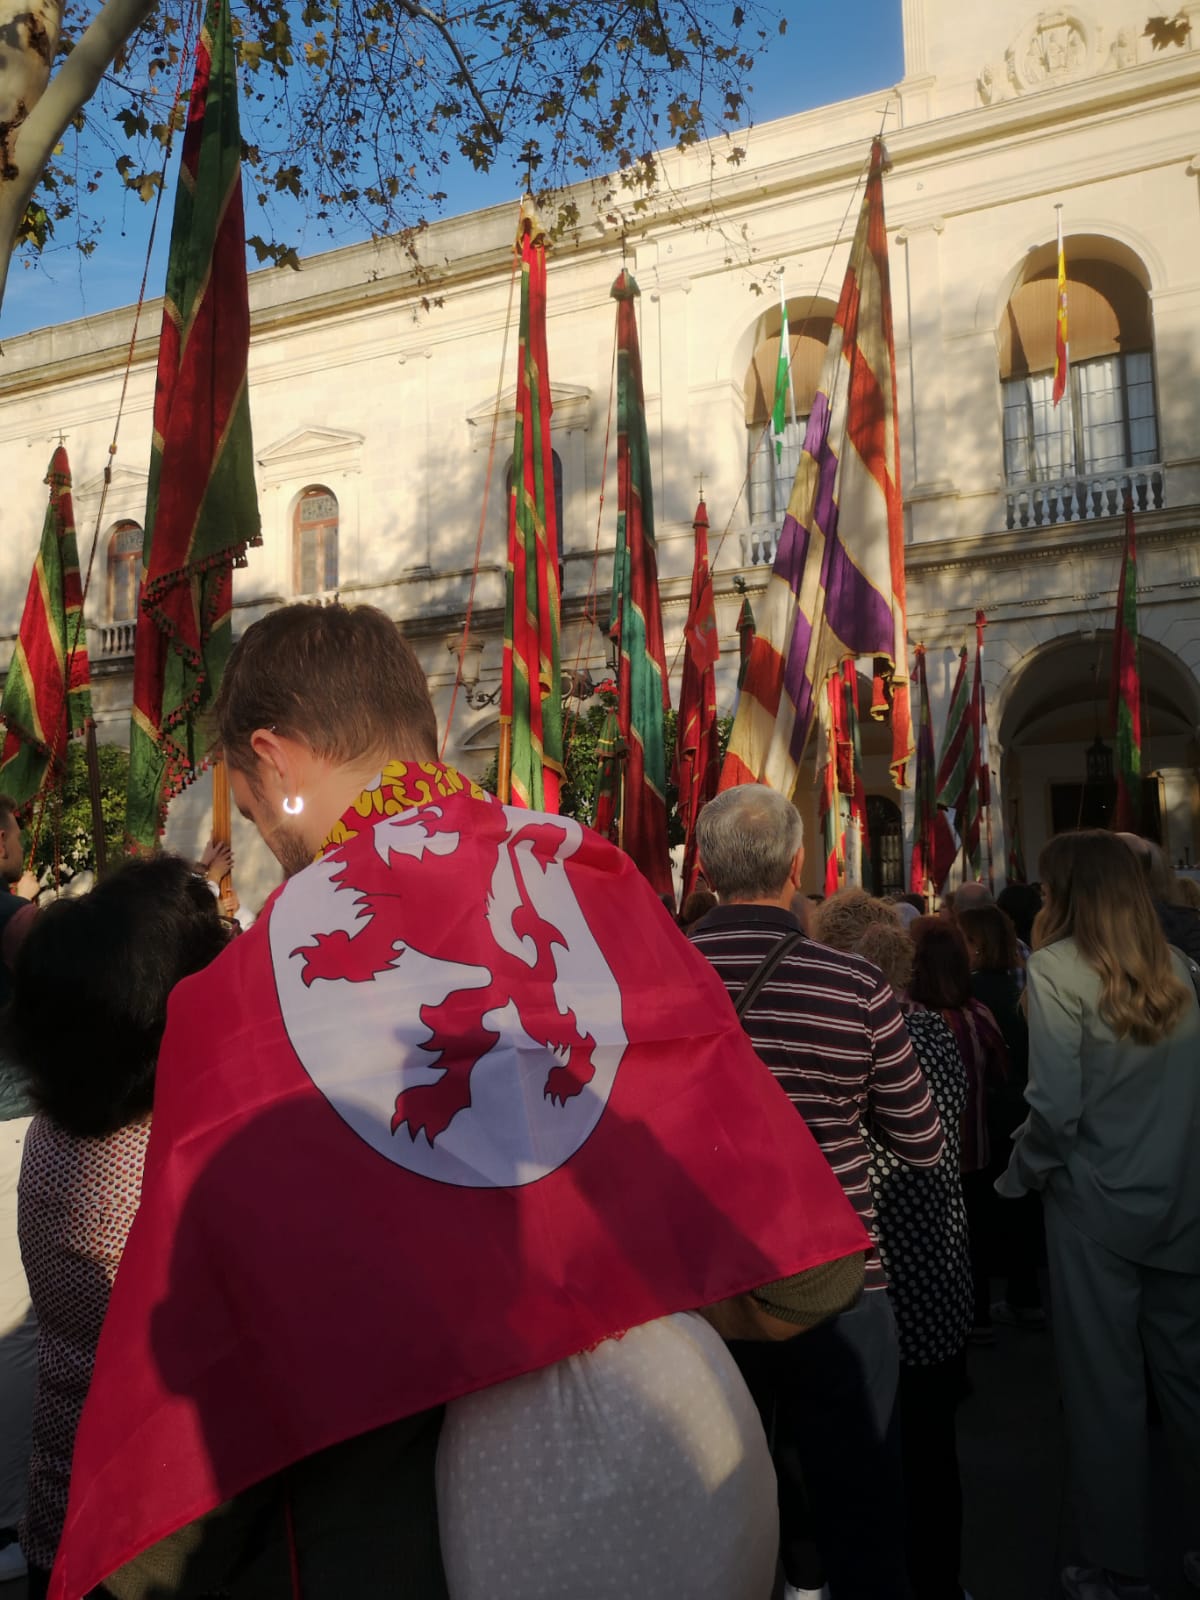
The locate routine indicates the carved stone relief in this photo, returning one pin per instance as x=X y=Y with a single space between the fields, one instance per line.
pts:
x=1055 y=47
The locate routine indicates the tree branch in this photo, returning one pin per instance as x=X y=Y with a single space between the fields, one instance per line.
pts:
x=68 y=91
x=420 y=13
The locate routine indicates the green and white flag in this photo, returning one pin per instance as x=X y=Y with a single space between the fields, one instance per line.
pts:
x=783 y=380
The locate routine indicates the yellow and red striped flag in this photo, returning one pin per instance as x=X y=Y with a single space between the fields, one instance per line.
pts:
x=1062 y=348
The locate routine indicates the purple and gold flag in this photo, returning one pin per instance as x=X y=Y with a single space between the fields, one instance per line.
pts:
x=837 y=588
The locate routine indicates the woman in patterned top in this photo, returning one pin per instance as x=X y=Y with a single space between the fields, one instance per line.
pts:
x=89 y=1008
x=923 y=1241
x=941 y=982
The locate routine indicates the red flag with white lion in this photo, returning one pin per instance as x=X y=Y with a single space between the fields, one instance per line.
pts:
x=463 y=1061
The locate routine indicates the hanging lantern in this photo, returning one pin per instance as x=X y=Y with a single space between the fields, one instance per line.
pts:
x=1099 y=762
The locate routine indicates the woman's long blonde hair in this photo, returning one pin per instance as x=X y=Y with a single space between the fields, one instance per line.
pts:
x=1096 y=894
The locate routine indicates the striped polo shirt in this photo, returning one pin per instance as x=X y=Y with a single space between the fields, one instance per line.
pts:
x=829 y=1028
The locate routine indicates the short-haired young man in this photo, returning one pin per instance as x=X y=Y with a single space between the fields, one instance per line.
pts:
x=830 y=1029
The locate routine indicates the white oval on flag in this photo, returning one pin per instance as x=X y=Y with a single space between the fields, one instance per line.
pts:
x=411 y=1034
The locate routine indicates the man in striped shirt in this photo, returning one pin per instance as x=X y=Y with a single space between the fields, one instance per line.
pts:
x=830 y=1029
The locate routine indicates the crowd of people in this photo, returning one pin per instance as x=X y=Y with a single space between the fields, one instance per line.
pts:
x=665 y=1283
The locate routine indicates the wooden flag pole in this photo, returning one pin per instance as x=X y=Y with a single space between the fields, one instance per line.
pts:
x=92 y=756
x=504 y=765
x=222 y=832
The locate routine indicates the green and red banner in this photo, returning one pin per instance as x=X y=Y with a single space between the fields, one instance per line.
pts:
x=697 y=767
x=47 y=695
x=922 y=878
x=746 y=629
x=606 y=797
x=1125 y=693
x=958 y=776
x=531 y=694
x=636 y=618
x=842 y=803
x=202 y=508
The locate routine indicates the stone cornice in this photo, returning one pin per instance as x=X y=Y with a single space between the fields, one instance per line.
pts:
x=1063 y=542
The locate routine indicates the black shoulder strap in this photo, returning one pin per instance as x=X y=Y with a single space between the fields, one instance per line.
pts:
x=764 y=970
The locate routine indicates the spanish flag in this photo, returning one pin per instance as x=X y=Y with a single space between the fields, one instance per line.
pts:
x=1061 y=345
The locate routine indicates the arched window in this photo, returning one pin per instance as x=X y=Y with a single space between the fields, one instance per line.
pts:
x=770 y=487
x=124 y=571
x=1106 y=424
x=315 y=541
x=558 y=500
x=886 y=834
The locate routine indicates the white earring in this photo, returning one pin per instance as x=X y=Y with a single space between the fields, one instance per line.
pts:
x=293 y=807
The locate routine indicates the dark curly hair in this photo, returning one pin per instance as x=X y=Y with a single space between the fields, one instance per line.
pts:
x=941 y=977
x=90 y=988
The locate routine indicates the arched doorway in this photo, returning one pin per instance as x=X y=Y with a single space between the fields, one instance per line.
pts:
x=1057 y=750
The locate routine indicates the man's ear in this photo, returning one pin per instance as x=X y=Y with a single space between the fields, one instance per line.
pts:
x=797 y=869
x=273 y=755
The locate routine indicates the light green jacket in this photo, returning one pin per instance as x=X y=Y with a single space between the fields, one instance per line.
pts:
x=1113 y=1132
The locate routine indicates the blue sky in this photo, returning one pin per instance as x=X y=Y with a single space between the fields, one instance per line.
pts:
x=811 y=65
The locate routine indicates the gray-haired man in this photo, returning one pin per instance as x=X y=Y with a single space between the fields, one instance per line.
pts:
x=830 y=1029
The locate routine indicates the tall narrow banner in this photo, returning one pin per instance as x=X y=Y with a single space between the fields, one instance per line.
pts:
x=858 y=843
x=983 y=867
x=958 y=776
x=697 y=765
x=746 y=629
x=202 y=507
x=47 y=694
x=842 y=802
x=1125 y=688
x=1062 y=346
x=530 y=696
x=636 y=617
x=922 y=879
x=836 y=591
x=830 y=726
x=606 y=797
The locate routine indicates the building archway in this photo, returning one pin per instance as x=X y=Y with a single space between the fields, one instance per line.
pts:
x=1055 y=707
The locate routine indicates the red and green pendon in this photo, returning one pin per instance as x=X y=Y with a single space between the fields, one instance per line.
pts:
x=697 y=766
x=47 y=697
x=921 y=878
x=530 y=694
x=636 y=618
x=958 y=767
x=1125 y=695
x=606 y=795
x=202 y=508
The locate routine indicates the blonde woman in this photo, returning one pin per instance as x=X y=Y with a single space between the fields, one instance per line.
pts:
x=1111 y=1140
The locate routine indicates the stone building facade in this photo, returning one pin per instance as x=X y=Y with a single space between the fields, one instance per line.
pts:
x=374 y=416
